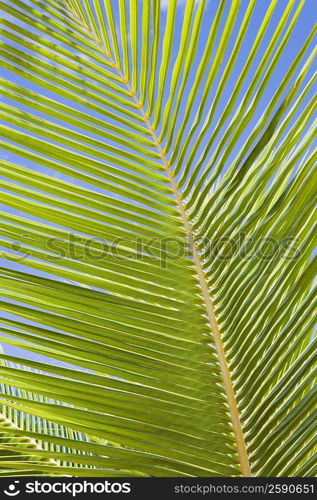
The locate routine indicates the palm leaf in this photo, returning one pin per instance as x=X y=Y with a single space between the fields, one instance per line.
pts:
x=20 y=432
x=141 y=153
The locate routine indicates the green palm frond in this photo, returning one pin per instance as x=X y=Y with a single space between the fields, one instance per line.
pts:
x=20 y=442
x=158 y=232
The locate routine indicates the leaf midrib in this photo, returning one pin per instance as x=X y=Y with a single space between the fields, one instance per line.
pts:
x=215 y=331
x=231 y=400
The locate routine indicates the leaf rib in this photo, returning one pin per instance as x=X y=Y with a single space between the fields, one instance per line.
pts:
x=231 y=399
x=216 y=334
x=233 y=409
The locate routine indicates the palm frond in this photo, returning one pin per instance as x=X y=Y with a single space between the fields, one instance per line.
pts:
x=21 y=449
x=158 y=231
